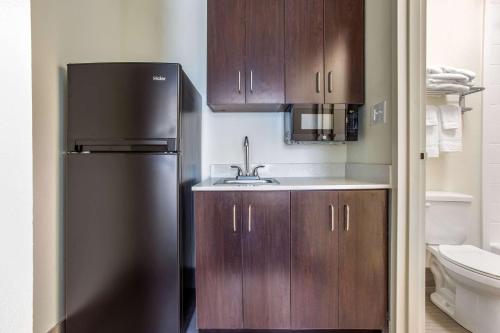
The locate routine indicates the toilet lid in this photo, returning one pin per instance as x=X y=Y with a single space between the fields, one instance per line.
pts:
x=473 y=259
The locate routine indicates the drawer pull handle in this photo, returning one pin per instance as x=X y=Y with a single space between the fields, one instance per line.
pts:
x=347 y=217
x=330 y=82
x=332 y=220
x=251 y=81
x=318 y=82
x=239 y=82
x=234 y=218
x=249 y=218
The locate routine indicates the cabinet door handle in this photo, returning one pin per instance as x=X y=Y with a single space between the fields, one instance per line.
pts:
x=330 y=81
x=251 y=81
x=239 y=82
x=249 y=218
x=347 y=217
x=332 y=218
x=234 y=218
x=318 y=82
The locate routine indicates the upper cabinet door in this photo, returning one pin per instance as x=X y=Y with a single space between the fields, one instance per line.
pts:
x=344 y=51
x=265 y=82
x=363 y=268
x=226 y=52
x=266 y=260
x=314 y=272
x=304 y=51
x=218 y=260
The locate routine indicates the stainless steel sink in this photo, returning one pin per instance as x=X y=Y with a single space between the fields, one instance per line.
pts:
x=233 y=181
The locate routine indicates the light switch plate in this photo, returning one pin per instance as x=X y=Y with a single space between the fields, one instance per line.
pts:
x=378 y=113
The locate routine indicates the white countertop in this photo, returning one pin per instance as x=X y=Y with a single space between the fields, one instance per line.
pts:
x=295 y=184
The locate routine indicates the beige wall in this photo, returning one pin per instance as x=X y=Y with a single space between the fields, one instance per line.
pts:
x=375 y=144
x=62 y=32
x=65 y=31
x=455 y=38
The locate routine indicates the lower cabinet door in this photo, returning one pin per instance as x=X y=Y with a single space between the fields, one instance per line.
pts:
x=218 y=260
x=266 y=260
x=363 y=254
x=314 y=271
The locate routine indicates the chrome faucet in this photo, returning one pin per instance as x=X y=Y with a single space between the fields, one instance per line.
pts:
x=247 y=156
x=247 y=174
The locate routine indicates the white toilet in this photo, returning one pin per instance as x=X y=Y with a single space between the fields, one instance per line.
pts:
x=467 y=278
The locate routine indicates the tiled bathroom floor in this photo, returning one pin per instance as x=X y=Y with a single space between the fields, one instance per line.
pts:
x=436 y=321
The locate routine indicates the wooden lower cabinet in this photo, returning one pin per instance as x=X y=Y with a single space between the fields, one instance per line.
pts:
x=219 y=292
x=315 y=251
x=266 y=260
x=292 y=260
x=363 y=264
x=249 y=287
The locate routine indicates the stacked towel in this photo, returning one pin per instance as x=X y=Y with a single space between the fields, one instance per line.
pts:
x=443 y=129
x=446 y=78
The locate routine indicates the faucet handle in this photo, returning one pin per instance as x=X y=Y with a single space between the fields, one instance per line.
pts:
x=240 y=171
x=256 y=170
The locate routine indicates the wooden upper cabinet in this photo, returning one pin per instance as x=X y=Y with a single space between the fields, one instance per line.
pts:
x=315 y=252
x=363 y=265
x=218 y=260
x=304 y=69
x=265 y=81
x=266 y=260
x=344 y=51
x=226 y=52
x=263 y=54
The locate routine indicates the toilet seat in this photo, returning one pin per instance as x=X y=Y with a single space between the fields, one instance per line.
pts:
x=472 y=259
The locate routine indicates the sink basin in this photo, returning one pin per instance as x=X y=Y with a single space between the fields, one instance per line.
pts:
x=233 y=181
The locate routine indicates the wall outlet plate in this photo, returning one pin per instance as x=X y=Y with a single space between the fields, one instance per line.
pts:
x=378 y=113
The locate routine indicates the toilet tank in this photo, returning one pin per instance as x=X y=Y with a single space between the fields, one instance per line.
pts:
x=447 y=217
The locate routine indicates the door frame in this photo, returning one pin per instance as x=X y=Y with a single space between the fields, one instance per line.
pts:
x=407 y=276
x=417 y=100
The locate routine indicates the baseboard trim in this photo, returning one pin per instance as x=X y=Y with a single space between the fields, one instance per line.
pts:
x=59 y=328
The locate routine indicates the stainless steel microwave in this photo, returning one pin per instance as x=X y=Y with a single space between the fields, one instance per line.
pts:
x=321 y=123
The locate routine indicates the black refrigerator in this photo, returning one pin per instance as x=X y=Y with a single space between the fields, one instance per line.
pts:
x=133 y=151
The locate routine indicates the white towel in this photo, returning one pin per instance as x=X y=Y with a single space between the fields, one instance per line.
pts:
x=434 y=81
x=450 y=140
x=450 y=116
x=470 y=74
x=432 y=131
x=454 y=77
x=431 y=115
x=432 y=141
x=442 y=87
x=434 y=70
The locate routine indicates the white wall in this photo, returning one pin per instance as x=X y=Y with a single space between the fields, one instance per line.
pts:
x=375 y=144
x=491 y=125
x=455 y=38
x=16 y=203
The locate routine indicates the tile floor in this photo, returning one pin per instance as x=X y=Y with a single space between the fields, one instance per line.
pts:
x=436 y=321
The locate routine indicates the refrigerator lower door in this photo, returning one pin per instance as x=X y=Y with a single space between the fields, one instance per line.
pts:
x=122 y=269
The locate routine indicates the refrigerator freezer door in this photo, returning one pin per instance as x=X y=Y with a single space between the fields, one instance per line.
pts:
x=121 y=231
x=112 y=102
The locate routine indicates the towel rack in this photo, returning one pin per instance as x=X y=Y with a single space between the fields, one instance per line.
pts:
x=461 y=96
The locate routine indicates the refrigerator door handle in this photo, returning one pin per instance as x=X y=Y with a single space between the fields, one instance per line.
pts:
x=150 y=146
